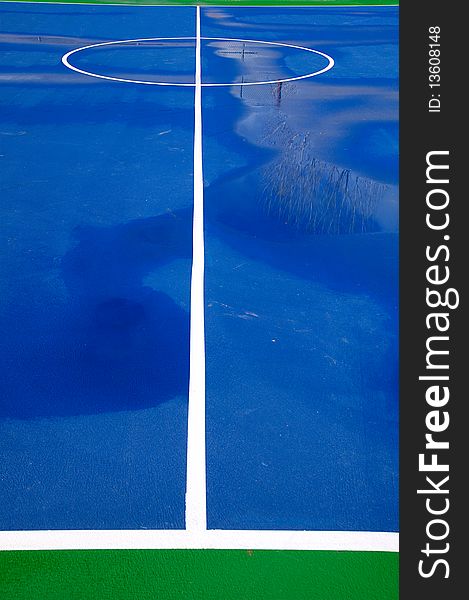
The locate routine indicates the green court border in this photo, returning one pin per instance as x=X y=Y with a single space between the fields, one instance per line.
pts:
x=198 y=574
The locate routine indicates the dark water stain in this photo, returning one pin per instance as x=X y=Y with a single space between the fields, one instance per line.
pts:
x=108 y=258
x=114 y=343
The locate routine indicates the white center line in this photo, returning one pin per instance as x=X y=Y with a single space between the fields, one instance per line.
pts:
x=196 y=504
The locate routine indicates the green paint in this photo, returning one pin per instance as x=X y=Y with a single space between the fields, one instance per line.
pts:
x=198 y=575
x=234 y=2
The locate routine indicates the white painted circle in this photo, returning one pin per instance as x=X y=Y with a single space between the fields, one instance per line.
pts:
x=67 y=63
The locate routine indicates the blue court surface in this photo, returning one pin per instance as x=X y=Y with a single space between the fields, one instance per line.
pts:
x=301 y=265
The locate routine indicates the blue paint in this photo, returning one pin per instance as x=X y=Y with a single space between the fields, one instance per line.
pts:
x=301 y=316
x=96 y=210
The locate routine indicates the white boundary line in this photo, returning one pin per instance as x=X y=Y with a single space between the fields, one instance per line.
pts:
x=346 y=541
x=196 y=511
x=66 y=62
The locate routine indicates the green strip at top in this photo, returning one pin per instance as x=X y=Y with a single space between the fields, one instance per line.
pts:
x=231 y=2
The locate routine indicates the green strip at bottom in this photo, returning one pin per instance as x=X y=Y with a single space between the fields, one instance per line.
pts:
x=232 y=2
x=198 y=575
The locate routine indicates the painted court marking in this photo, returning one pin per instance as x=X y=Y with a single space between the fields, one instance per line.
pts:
x=216 y=539
x=196 y=511
x=196 y=535
x=69 y=65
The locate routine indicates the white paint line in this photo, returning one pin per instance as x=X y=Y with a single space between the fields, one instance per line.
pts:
x=352 y=541
x=196 y=503
x=69 y=65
